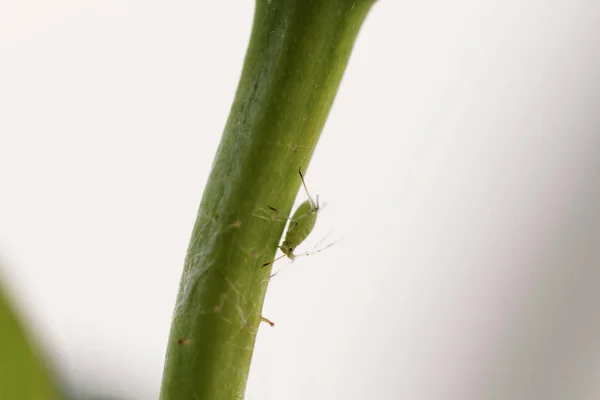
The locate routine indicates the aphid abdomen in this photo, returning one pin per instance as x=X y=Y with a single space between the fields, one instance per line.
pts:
x=301 y=225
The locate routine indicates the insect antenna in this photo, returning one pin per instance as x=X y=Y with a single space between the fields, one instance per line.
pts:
x=321 y=249
x=272 y=261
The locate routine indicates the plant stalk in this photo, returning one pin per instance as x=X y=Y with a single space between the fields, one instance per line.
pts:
x=295 y=60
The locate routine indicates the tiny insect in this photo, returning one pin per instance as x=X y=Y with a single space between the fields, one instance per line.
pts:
x=301 y=225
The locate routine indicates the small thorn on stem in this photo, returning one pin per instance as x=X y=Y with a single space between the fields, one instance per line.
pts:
x=268 y=321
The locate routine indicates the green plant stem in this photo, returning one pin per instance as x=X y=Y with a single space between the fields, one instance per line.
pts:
x=295 y=60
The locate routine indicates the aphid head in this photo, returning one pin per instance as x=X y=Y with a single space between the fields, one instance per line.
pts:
x=287 y=250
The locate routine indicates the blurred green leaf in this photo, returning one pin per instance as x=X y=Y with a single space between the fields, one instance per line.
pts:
x=23 y=375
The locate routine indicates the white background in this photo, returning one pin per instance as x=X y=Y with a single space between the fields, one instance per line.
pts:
x=461 y=160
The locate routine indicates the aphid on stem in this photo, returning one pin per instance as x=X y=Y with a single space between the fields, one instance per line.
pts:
x=301 y=225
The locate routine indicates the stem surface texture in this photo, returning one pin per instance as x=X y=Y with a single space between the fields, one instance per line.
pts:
x=295 y=60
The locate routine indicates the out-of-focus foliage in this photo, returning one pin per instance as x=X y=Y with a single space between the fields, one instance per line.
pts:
x=23 y=375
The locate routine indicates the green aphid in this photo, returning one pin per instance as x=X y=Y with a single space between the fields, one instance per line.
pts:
x=301 y=225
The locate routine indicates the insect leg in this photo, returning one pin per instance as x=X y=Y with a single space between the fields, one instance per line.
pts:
x=312 y=203
x=292 y=222
x=321 y=241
